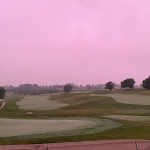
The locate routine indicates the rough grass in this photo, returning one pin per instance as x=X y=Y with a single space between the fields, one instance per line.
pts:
x=81 y=104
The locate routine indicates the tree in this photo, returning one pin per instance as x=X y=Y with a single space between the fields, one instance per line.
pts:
x=109 y=85
x=88 y=86
x=67 y=88
x=146 y=83
x=2 y=93
x=128 y=83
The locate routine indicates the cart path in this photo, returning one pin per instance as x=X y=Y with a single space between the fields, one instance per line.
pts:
x=87 y=145
x=2 y=105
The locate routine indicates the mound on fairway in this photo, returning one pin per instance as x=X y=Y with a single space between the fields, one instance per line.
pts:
x=128 y=98
x=55 y=127
x=130 y=118
x=40 y=102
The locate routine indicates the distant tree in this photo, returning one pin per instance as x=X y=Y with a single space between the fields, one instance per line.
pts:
x=10 y=87
x=2 y=93
x=128 y=83
x=35 y=86
x=109 y=85
x=88 y=86
x=146 y=83
x=67 y=88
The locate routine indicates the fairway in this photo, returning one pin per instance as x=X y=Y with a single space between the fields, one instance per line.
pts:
x=41 y=102
x=128 y=98
x=54 y=127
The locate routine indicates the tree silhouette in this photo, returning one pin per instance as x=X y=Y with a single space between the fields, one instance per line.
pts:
x=128 y=83
x=109 y=85
x=67 y=88
x=2 y=93
x=146 y=83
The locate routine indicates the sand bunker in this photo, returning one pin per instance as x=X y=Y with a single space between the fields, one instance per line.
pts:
x=128 y=98
x=130 y=118
x=56 y=127
x=39 y=102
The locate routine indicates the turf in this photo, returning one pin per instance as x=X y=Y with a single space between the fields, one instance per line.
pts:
x=83 y=105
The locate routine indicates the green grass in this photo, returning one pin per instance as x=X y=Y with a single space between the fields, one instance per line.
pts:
x=83 y=105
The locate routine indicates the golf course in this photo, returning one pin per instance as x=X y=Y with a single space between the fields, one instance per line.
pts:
x=75 y=116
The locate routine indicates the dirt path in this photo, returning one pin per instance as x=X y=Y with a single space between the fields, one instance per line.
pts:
x=2 y=105
x=87 y=145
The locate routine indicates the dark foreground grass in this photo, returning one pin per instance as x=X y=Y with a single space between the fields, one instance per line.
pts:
x=83 y=105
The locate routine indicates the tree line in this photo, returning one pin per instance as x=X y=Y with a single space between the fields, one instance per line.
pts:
x=32 y=89
x=127 y=83
x=35 y=89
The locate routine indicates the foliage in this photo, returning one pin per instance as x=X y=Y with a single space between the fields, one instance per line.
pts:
x=109 y=85
x=146 y=83
x=128 y=83
x=67 y=88
x=2 y=93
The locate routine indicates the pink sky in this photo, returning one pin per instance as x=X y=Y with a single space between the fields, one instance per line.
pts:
x=78 y=41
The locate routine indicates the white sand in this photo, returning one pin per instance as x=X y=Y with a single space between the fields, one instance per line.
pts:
x=130 y=118
x=128 y=98
x=17 y=127
x=39 y=102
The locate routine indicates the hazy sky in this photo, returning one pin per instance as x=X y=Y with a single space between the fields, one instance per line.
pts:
x=78 y=41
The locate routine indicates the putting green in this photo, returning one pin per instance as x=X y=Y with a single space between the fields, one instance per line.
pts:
x=39 y=102
x=128 y=98
x=130 y=118
x=54 y=127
